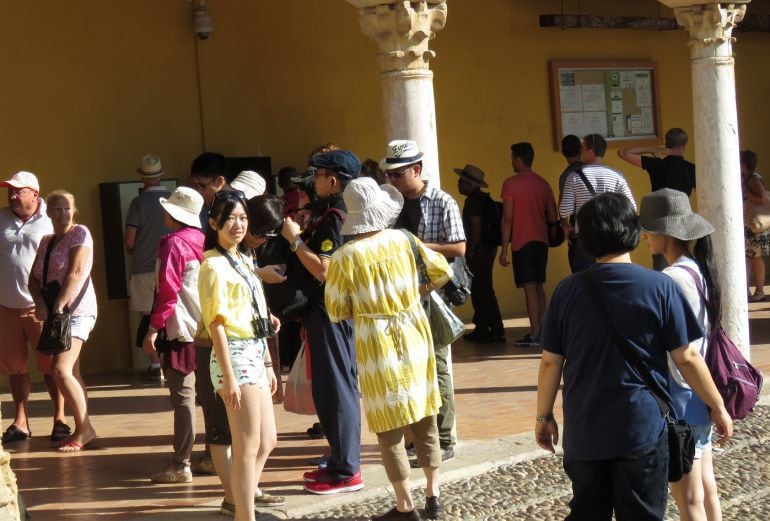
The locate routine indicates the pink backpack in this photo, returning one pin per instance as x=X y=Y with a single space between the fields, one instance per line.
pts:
x=736 y=379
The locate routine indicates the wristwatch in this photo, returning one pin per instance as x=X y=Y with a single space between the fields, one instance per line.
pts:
x=293 y=247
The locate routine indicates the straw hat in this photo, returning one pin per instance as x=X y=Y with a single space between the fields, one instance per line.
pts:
x=473 y=174
x=184 y=204
x=401 y=152
x=370 y=207
x=668 y=212
x=250 y=183
x=22 y=180
x=150 y=167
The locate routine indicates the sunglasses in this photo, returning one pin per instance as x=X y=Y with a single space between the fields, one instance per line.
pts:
x=230 y=194
x=397 y=174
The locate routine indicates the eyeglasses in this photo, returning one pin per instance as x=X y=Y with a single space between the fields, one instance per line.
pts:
x=397 y=174
x=324 y=172
x=19 y=191
x=203 y=186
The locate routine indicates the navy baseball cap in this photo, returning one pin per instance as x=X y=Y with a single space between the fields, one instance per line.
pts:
x=342 y=162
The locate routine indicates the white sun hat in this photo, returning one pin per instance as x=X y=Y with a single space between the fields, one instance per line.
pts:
x=184 y=204
x=370 y=207
x=250 y=183
x=150 y=167
x=401 y=152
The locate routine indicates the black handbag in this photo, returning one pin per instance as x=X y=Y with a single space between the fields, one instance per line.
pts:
x=681 y=442
x=55 y=337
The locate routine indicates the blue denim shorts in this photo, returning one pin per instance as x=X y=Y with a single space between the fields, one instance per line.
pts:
x=81 y=326
x=247 y=358
x=702 y=435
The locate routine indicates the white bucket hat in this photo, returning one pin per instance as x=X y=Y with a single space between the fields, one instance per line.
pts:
x=250 y=183
x=184 y=204
x=370 y=208
x=401 y=152
x=151 y=167
x=22 y=180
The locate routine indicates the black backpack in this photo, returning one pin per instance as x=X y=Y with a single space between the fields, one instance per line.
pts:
x=491 y=217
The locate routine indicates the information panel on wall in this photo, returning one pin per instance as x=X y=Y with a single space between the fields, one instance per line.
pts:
x=618 y=100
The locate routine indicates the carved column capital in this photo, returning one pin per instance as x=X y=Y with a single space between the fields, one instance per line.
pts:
x=710 y=26
x=402 y=29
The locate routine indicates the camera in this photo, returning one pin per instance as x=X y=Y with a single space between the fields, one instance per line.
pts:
x=202 y=23
x=263 y=328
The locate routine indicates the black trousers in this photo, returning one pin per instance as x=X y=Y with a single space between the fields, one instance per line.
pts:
x=335 y=388
x=486 y=311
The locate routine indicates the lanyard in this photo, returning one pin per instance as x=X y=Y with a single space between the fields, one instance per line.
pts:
x=239 y=269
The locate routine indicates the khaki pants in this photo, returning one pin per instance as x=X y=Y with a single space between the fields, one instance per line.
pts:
x=182 y=390
x=393 y=452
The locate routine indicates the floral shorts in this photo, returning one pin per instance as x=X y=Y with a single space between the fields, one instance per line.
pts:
x=248 y=360
x=757 y=244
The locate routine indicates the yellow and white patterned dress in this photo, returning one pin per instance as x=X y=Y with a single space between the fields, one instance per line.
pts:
x=375 y=281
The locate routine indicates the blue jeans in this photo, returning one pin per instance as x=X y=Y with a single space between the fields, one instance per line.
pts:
x=634 y=486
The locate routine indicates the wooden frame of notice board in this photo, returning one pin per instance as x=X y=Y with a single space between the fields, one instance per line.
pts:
x=618 y=99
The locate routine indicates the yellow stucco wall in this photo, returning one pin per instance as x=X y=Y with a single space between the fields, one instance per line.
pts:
x=90 y=86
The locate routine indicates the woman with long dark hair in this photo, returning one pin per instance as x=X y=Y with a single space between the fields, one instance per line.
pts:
x=237 y=321
x=671 y=227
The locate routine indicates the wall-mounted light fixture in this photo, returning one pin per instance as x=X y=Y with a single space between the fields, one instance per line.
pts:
x=202 y=23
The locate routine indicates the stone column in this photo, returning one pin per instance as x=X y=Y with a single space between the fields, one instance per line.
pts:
x=402 y=30
x=9 y=506
x=716 y=146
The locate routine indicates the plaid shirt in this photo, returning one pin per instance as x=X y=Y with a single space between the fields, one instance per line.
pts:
x=441 y=222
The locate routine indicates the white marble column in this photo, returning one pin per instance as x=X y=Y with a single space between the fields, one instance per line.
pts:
x=402 y=30
x=9 y=506
x=717 y=159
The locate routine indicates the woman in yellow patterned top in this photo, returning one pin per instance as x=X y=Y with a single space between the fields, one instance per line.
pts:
x=374 y=279
x=236 y=318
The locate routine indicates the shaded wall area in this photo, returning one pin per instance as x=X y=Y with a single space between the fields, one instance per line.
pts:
x=90 y=86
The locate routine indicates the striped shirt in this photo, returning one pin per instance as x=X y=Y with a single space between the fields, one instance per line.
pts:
x=602 y=178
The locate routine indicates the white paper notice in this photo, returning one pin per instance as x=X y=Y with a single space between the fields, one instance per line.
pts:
x=648 y=126
x=618 y=125
x=627 y=80
x=594 y=98
x=572 y=123
x=595 y=123
x=643 y=89
x=616 y=100
x=635 y=124
x=571 y=98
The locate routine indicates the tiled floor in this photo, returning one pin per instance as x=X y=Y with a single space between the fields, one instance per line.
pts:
x=495 y=396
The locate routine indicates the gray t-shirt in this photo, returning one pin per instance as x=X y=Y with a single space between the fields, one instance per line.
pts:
x=146 y=215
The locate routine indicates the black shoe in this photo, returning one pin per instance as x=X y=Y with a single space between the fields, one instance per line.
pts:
x=316 y=432
x=411 y=452
x=447 y=454
x=526 y=341
x=394 y=513
x=475 y=335
x=433 y=507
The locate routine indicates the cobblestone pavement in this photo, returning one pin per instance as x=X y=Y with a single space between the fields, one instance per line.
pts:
x=539 y=490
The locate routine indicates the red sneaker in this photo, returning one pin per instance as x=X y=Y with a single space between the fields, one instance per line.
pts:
x=313 y=475
x=328 y=484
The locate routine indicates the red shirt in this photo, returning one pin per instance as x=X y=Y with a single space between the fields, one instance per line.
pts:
x=531 y=195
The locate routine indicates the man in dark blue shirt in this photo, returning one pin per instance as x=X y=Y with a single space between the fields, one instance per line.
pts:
x=615 y=442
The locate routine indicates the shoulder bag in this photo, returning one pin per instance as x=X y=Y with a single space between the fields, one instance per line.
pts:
x=738 y=382
x=681 y=443
x=591 y=190
x=445 y=326
x=55 y=337
x=757 y=216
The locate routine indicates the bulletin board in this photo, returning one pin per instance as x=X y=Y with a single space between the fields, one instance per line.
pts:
x=616 y=99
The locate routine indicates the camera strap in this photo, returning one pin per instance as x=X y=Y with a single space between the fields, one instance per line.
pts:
x=249 y=280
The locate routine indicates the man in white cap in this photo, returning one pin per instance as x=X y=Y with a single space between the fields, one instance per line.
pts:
x=250 y=183
x=144 y=228
x=23 y=223
x=434 y=217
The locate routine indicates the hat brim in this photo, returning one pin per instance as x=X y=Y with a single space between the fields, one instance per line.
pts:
x=182 y=215
x=11 y=184
x=392 y=163
x=379 y=215
x=462 y=173
x=682 y=227
x=150 y=175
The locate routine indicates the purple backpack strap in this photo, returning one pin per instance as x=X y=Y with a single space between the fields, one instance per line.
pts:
x=696 y=279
